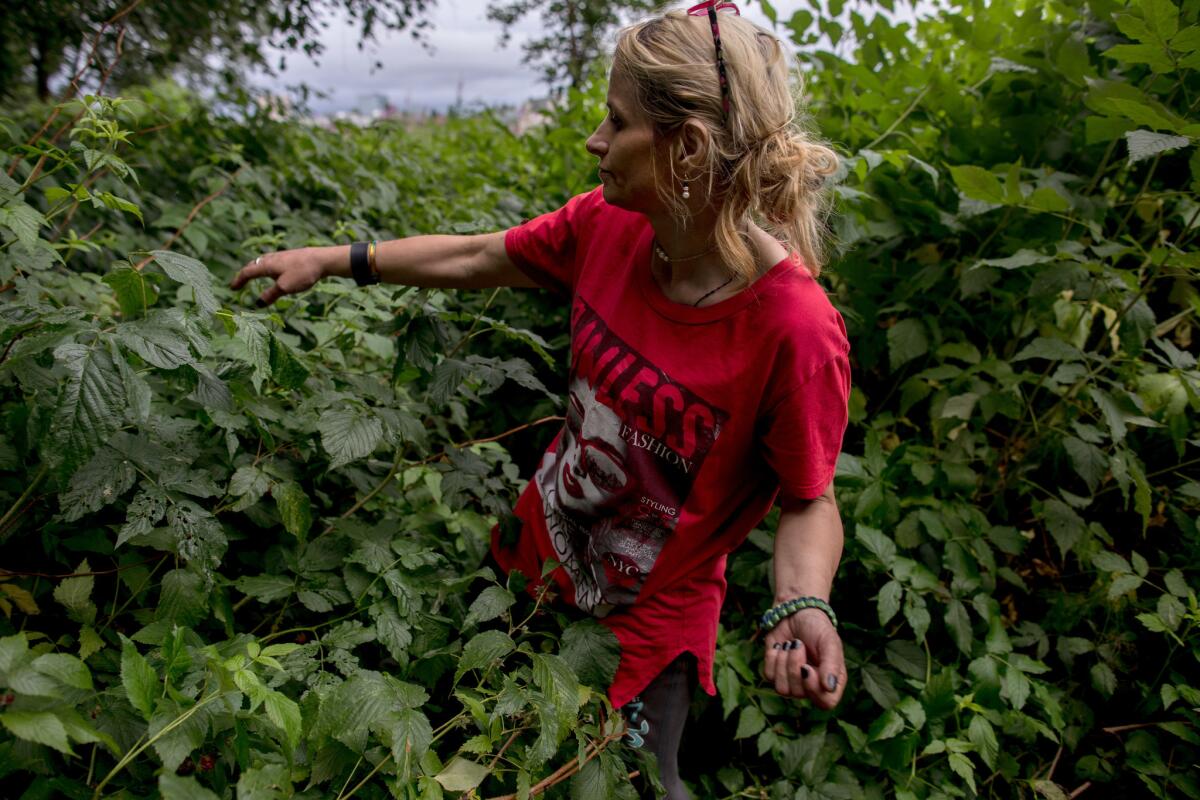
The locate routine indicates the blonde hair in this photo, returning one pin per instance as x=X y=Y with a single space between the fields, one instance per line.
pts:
x=761 y=159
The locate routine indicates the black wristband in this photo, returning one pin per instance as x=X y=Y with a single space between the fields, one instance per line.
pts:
x=359 y=266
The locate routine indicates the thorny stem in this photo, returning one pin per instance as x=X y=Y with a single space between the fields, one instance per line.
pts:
x=466 y=337
x=13 y=512
x=568 y=769
x=135 y=752
x=191 y=215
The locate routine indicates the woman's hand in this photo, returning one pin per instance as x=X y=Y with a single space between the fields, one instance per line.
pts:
x=816 y=667
x=293 y=270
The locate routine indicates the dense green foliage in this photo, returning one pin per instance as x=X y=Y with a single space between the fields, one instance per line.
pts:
x=245 y=546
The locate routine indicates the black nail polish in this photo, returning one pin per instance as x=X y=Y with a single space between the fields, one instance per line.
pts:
x=804 y=673
x=776 y=646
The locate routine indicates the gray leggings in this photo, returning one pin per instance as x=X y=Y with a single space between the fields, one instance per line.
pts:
x=656 y=718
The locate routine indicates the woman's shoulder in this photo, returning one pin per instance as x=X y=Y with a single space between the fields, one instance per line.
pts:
x=799 y=306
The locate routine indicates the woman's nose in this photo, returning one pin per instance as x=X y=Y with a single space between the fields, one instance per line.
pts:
x=595 y=145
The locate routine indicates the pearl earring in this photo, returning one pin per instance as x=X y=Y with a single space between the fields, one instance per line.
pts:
x=686 y=194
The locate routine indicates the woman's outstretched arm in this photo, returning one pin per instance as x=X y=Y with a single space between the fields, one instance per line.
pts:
x=808 y=548
x=441 y=261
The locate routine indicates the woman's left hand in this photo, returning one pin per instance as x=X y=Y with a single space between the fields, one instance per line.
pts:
x=815 y=668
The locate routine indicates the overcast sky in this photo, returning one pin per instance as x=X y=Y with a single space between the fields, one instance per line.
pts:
x=465 y=49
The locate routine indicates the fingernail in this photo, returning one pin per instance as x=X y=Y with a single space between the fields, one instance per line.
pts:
x=831 y=682
x=793 y=644
x=776 y=646
x=804 y=673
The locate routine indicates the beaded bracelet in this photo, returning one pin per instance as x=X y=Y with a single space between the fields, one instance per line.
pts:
x=774 y=616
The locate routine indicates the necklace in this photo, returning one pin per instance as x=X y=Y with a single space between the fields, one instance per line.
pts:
x=706 y=294
x=663 y=255
x=658 y=251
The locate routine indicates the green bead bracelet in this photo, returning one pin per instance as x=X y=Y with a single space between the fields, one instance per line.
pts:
x=786 y=609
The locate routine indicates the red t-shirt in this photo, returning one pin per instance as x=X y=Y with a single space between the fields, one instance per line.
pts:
x=682 y=426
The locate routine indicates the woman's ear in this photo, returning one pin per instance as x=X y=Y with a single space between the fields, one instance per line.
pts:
x=691 y=147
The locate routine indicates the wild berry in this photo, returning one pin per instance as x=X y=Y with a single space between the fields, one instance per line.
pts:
x=207 y=762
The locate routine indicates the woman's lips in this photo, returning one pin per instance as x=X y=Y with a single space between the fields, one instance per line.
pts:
x=570 y=484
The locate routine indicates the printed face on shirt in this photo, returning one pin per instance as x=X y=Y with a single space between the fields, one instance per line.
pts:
x=625 y=145
x=593 y=474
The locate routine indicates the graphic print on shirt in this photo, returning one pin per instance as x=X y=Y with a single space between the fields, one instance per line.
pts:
x=629 y=452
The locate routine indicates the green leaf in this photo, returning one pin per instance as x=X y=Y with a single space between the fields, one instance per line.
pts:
x=349 y=434
x=750 y=722
x=1151 y=54
x=183 y=598
x=190 y=272
x=1111 y=562
x=1088 y=460
x=1187 y=40
x=1112 y=413
x=962 y=767
x=1047 y=199
x=1145 y=144
x=484 y=649
x=1176 y=584
x=1120 y=99
x=284 y=712
x=1105 y=129
x=978 y=183
x=888 y=603
x=24 y=220
x=139 y=679
x=89 y=642
x=294 y=508
x=1072 y=59
x=248 y=483
x=1022 y=258
x=134 y=290
x=461 y=775
x=64 y=668
x=591 y=782
x=410 y=734
x=558 y=683
x=182 y=738
x=286 y=366
x=489 y=604
x=255 y=339
x=959 y=406
x=1053 y=349
x=394 y=633
x=158 y=345
x=174 y=787
x=959 y=623
x=906 y=341
x=887 y=725
x=1064 y=524
x=42 y=727
x=1162 y=17
x=74 y=594
x=592 y=651
x=1015 y=687
x=90 y=404
x=1123 y=584
x=1133 y=27
x=883 y=547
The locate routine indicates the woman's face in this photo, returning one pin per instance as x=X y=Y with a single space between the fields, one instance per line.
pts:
x=592 y=473
x=625 y=145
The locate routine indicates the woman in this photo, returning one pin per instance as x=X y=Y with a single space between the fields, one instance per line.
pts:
x=709 y=371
